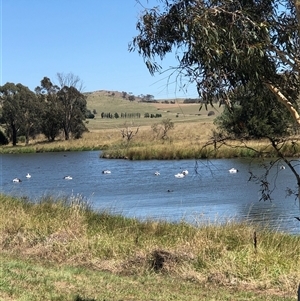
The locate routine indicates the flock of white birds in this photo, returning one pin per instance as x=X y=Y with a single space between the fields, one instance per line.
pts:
x=179 y=175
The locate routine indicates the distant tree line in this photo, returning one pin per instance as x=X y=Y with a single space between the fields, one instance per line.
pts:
x=50 y=110
x=128 y=115
x=169 y=101
x=191 y=100
x=141 y=98
x=121 y=115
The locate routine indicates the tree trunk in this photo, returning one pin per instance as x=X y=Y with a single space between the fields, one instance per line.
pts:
x=27 y=137
x=281 y=98
x=14 y=136
x=67 y=134
x=297 y=6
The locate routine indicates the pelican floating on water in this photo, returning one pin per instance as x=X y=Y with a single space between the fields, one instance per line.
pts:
x=68 y=178
x=28 y=176
x=179 y=175
x=157 y=173
x=185 y=172
x=282 y=167
x=233 y=170
x=106 y=171
x=17 y=180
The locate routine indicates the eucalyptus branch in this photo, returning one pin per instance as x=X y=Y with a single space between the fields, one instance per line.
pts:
x=287 y=58
x=275 y=144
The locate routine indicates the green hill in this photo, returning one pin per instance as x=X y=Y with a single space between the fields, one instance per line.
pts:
x=112 y=102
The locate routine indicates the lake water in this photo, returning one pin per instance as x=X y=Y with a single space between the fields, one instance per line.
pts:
x=209 y=193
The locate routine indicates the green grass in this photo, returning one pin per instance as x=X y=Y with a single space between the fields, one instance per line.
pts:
x=25 y=280
x=60 y=249
x=178 y=112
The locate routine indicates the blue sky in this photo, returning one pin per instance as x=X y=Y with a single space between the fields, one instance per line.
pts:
x=88 y=38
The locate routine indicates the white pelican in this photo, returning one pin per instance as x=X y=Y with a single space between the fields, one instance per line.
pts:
x=179 y=175
x=157 y=173
x=185 y=172
x=68 y=178
x=28 y=176
x=282 y=167
x=233 y=170
x=17 y=180
x=106 y=171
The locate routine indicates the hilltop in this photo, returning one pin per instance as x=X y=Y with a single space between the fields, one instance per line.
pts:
x=130 y=96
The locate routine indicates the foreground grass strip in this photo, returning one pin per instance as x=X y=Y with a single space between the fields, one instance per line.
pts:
x=60 y=249
x=25 y=280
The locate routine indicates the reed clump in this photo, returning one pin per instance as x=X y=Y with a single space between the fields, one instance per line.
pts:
x=67 y=232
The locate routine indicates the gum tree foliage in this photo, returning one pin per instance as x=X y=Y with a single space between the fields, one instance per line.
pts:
x=31 y=109
x=20 y=111
x=220 y=45
x=254 y=115
x=52 y=114
x=223 y=44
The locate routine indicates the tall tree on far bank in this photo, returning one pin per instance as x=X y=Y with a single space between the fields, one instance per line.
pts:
x=73 y=104
x=52 y=115
x=10 y=99
x=64 y=106
x=20 y=110
x=31 y=111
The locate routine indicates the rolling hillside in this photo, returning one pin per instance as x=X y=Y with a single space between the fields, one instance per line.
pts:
x=112 y=102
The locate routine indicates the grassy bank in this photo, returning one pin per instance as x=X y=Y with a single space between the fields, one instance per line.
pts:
x=183 y=135
x=63 y=250
x=186 y=141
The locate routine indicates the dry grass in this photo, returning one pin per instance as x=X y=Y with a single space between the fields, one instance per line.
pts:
x=187 y=140
x=183 y=133
x=67 y=233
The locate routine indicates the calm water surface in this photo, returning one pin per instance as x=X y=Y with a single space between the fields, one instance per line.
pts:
x=209 y=193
